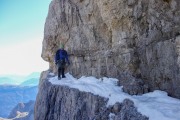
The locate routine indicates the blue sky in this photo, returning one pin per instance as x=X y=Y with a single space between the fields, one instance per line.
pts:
x=21 y=34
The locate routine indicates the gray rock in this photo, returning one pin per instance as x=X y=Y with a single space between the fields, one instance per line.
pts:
x=131 y=2
x=55 y=102
x=116 y=108
x=61 y=102
x=132 y=85
x=129 y=112
x=109 y=37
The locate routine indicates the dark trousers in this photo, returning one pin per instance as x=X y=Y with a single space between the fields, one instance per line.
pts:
x=61 y=72
x=61 y=66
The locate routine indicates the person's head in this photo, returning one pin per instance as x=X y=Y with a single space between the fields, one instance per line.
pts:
x=61 y=46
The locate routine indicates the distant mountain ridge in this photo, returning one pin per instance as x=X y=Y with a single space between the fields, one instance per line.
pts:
x=21 y=108
x=30 y=82
x=16 y=89
x=18 y=80
x=10 y=96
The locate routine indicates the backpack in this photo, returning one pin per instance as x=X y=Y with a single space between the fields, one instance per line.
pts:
x=60 y=57
x=62 y=54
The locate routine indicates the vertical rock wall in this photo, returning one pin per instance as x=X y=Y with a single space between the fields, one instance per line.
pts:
x=109 y=37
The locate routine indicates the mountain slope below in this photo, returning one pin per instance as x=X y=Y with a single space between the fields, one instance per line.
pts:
x=155 y=105
x=10 y=96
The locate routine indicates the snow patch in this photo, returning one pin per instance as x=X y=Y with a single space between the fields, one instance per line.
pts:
x=155 y=105
x=111 y=115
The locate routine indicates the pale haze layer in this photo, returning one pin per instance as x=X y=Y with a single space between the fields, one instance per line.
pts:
x=21 y=35
x=22 y=58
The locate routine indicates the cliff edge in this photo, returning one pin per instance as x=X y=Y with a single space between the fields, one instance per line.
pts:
x=89 y=98
x=135 y=41
x=61 y=102
x=113 y=37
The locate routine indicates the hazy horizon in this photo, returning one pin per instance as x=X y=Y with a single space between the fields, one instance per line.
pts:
x=22 y=26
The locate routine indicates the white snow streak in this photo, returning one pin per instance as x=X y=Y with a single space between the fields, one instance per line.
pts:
x=155 y=105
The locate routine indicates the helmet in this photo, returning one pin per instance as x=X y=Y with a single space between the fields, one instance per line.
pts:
x=61 y=46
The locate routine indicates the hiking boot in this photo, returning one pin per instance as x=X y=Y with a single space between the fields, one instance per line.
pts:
x=63 y=76
x=59 y=78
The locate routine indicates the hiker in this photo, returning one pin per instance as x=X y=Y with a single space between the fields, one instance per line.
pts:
x=61 y=59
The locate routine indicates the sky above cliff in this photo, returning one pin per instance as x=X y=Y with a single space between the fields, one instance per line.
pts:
x=21 y=35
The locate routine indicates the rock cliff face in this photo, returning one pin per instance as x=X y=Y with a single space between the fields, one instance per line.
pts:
x=110 y=37
x=56 y=102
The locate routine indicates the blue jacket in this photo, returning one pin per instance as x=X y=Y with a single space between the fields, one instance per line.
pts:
x=61 y=55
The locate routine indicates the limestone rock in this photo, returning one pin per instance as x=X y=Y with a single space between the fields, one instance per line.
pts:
x=129 y=112
x=132 y=85
x=116 y=107
x=56 y=102
x=61 y=102
x=109 y=37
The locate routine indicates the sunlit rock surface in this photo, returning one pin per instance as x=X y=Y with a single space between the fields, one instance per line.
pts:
x=109 y=37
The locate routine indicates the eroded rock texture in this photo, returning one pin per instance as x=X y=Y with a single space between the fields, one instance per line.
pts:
x=109 y=37
x=56 y=102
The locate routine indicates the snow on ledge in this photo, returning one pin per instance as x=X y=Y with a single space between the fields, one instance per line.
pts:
x=155 y=105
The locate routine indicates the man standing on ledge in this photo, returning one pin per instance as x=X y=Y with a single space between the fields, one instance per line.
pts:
x=61 y=58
